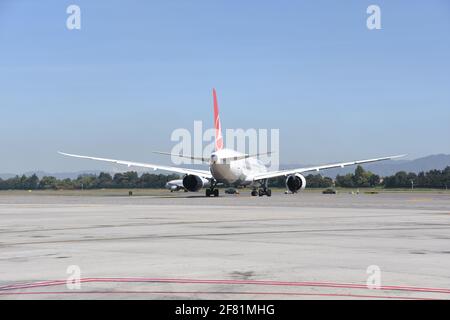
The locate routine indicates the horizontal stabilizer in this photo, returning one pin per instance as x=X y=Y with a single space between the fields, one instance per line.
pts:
x=180 y=155
x=246 y=156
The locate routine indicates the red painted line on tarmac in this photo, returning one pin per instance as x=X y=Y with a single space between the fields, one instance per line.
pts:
x=227 y=282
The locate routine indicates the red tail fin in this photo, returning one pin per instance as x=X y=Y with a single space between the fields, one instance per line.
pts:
x=217 y=126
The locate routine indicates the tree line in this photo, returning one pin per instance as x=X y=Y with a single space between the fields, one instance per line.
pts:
x=439 y=179
x=430 y=179
x=104 y=180
x=359 y=179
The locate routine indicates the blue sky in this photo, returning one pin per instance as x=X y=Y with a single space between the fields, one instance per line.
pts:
x=137 y=70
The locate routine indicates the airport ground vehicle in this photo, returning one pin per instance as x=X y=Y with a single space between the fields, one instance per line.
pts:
x=231 y=191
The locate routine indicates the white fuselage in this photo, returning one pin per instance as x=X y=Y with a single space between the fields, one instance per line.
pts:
x=225 y=169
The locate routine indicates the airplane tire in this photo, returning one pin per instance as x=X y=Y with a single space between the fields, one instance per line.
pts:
x=216 y=192
x=254 y=193
x=261 y=192
x=208 y=192
x=269 y=192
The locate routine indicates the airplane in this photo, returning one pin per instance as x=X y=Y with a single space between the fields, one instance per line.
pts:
x=227 y=166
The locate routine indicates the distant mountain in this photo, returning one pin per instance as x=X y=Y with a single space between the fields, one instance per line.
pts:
x=384 y=168
x=390 y=167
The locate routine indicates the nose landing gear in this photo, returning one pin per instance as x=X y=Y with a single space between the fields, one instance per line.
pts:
x=212 y=191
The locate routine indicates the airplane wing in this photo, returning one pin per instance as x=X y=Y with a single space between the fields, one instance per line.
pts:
x=274 y=174
x=201 y=173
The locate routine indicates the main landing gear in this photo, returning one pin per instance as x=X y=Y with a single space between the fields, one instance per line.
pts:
x=263 y=190
x=212 y=191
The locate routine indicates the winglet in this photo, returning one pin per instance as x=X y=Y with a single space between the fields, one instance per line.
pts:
x=217 y=126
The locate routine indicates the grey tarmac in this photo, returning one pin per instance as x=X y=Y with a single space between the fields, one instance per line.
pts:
x=183 y=245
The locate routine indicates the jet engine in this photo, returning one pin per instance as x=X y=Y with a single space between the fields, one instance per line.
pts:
x=194 y=183
x=295 y=182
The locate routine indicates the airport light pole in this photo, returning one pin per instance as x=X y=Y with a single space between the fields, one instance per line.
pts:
x=412 y=185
